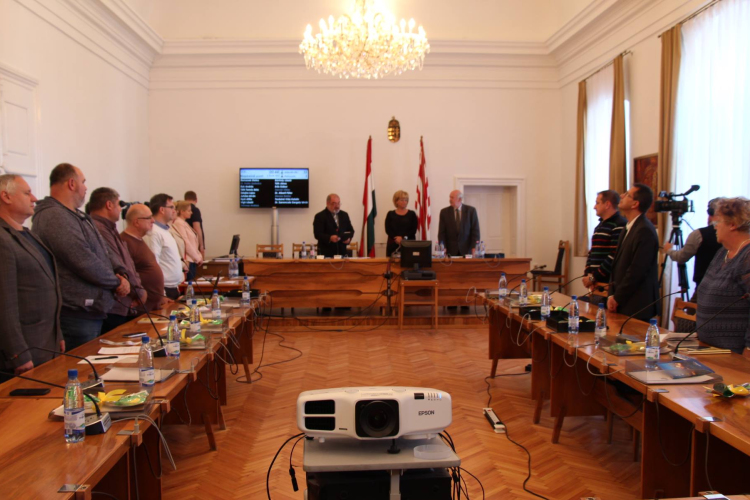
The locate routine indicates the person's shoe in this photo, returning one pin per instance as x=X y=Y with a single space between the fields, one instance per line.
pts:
x=452 y=308
x=465 y=308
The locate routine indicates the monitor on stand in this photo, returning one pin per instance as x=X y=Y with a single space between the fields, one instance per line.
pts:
x=415 y=257
x=235 y=245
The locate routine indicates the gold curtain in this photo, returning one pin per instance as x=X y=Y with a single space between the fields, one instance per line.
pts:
x=581 y=226
x=670 y=71
x=618 y=180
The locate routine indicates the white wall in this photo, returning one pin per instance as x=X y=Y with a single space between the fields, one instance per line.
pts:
x=208 y=134
x=91 y=111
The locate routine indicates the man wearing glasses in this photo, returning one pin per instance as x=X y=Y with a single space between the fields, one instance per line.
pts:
x=139 y=222
x=163 y=244
x=89 y=276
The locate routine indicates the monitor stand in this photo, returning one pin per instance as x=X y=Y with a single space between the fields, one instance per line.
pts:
x=418 y=274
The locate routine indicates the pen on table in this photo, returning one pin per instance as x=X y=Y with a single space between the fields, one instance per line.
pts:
x=106 y=357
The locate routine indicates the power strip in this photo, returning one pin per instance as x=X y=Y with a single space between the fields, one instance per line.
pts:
x=495 y=422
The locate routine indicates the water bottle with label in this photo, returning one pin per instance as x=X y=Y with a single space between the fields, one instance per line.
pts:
x=475 y=252
x=313 y=251
x=481 y=249
x=573 y=317
x=546 y=304
x=75 y=414
x=600 y=330
x=189 y=293
x=502 y=286
x=442 y=250
x=216 y=306
x=652 y=345
x=303 y=252
x=173 y=337
x=245 y=300
x=523 y=294
x=195 y=319
x=146 y=372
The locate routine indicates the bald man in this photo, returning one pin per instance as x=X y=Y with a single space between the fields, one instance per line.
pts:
x=90 y=275
x=332 y=227
x=459 y=226
x=139 y=221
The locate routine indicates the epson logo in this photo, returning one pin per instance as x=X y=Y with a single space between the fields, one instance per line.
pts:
x=426 y=412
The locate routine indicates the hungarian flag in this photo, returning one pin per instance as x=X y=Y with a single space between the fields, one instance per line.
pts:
x=371 y=211
x=422 y=203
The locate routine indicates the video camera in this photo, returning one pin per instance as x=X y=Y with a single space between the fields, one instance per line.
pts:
x=676 y=207
x=125 y=205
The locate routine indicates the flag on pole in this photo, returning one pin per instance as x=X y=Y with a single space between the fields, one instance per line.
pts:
x=368 y=200
x=422 y=203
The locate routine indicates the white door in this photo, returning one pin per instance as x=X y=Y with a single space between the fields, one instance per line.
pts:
x=496 y=209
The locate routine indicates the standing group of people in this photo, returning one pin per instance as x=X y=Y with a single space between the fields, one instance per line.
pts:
x=624 y=255
x=73 y=276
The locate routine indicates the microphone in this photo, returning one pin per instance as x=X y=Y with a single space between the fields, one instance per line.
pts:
x=677 y=347
x=97 y=382
x=568 y=283
x=160 y=351
x=95 y=424
x=513 y=277
x=693 y=188
x=539 y=268
x=622 y=338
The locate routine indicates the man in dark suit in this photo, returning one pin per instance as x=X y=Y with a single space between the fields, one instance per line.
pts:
x=459 y=226
x=30 y=297
x=635 y=282
x=332 y=228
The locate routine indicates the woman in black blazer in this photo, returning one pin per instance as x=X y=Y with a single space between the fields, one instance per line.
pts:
x=401 y=223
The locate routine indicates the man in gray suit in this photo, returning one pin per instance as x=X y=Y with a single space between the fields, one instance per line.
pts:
x=30 y=297
x=459 y=226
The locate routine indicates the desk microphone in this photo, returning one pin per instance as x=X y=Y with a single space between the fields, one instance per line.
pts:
x=95 y=424
x=159 y=351
x=568 y=283
x=97 y=382
x=677 y=347
x=623 y=338
x=513 y=277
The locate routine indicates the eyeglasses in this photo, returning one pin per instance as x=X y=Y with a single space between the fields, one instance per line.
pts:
x=146 y=218
x=169 y=206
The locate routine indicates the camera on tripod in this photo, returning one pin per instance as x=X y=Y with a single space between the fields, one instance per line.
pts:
x=677 y=207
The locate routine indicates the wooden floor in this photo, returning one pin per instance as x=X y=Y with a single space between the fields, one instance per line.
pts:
x=261 y=416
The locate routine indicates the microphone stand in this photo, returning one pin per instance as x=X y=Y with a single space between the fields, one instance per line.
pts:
x=623 y=338
x=677 y=347
x=388 y=291
x=568 y=283
x=97 y=382
x=161 y=351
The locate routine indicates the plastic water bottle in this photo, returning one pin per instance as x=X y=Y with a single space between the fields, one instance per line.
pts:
x=600 y=330
x=216 y=306
x=75 y=414
x=442 y=250
x=546 y=304
x=481 y=249
x=303 y=252
x=652 y=344
x=234 y=269
x=573 y=316
x=476 y=250
x=523 y=294
x=195 y=319
x=502 y=286
x=189 y=293
x=146 y=372
x=313 y=251
x=245 y=300
x=173 y=337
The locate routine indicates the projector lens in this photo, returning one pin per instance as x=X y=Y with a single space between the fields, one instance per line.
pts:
x=377 y=419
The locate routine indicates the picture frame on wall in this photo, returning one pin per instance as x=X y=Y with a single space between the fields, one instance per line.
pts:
x=646 y=171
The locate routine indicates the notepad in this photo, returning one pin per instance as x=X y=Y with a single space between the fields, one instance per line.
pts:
x=119 y=374
x=119 y=350
x=117 y=359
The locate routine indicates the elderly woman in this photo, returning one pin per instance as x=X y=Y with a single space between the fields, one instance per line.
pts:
x=192 y=255
x=401 y=223
x=727 y=279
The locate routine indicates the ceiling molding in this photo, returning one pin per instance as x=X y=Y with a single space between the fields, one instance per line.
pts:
x=18 y=77
x=578 y=22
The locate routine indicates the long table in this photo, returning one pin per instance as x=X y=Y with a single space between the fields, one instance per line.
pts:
x=361 y=282
x=673 y=421
x=35 y=459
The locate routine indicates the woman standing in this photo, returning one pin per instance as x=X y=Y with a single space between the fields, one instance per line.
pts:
x=190 y=237
x=401 y=223
x=727 y=279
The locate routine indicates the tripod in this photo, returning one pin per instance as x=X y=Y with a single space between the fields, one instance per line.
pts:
x=675 y=238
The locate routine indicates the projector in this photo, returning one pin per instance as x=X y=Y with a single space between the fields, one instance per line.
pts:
x=373 y=412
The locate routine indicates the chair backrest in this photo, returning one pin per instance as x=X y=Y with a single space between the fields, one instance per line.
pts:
x=297 y=248
x=352 y=248
x=268 y=251
x=684 y=315
x=562 y=251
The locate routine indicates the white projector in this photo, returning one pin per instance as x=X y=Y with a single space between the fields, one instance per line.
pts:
x=373 y=412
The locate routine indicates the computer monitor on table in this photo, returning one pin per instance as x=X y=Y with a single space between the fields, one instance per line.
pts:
x=235 y=245
x=416 y=254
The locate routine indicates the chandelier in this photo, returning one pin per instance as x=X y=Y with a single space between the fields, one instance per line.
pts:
x=366 y=44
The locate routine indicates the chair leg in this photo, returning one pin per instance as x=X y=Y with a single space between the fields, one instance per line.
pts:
x=610 y=426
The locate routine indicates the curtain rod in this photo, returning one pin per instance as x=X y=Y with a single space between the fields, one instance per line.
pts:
x=695 y=14
x=626 y=53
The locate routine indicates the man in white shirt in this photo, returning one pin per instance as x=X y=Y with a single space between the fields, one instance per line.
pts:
x=163 y=244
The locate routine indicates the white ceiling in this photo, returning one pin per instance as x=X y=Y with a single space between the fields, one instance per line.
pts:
x=472 y=20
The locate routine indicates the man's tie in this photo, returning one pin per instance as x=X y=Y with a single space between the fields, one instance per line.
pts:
x=336 y=219
x=458 y=219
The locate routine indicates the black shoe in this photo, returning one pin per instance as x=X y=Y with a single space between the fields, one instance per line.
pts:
x=325 y=309
x=465 y=308
x=452 y=308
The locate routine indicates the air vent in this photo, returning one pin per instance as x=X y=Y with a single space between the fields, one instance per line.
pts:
x=321 y=407
x=320 y=423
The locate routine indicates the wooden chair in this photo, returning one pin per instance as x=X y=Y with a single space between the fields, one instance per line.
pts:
x=684 y=315
x=352 y=249
x=268 y=251
x=297 y=248
x=558 y=276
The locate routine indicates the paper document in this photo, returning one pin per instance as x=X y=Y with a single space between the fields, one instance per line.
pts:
x=131 y=375
x=124 y=342
x=114 y=359
x=119 y=350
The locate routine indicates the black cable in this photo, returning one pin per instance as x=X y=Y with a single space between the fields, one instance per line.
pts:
x=529 y=464
x=476 y=478
x=486 y=381
x=268 y=475
x=661 y=446
x=135 y=471
x=578 y=380
x=610 y=406
x=705 y=463
x=148 y=459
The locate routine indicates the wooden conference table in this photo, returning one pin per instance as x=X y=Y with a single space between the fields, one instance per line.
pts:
x=673 y=421
x=35 y=459
x=354 y=282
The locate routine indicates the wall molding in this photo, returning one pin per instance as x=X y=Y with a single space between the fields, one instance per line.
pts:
x=19 y=77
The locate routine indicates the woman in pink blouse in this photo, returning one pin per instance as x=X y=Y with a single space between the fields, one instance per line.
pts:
x=192 y=254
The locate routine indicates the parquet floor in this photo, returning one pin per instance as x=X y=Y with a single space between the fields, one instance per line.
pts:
x=261 y=416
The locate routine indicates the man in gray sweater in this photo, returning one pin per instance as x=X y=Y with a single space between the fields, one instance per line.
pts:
x=90 y=276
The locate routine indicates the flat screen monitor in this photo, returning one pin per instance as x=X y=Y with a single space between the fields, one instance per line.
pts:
x=416 y=254
x=274 y=187
x=235 y=245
